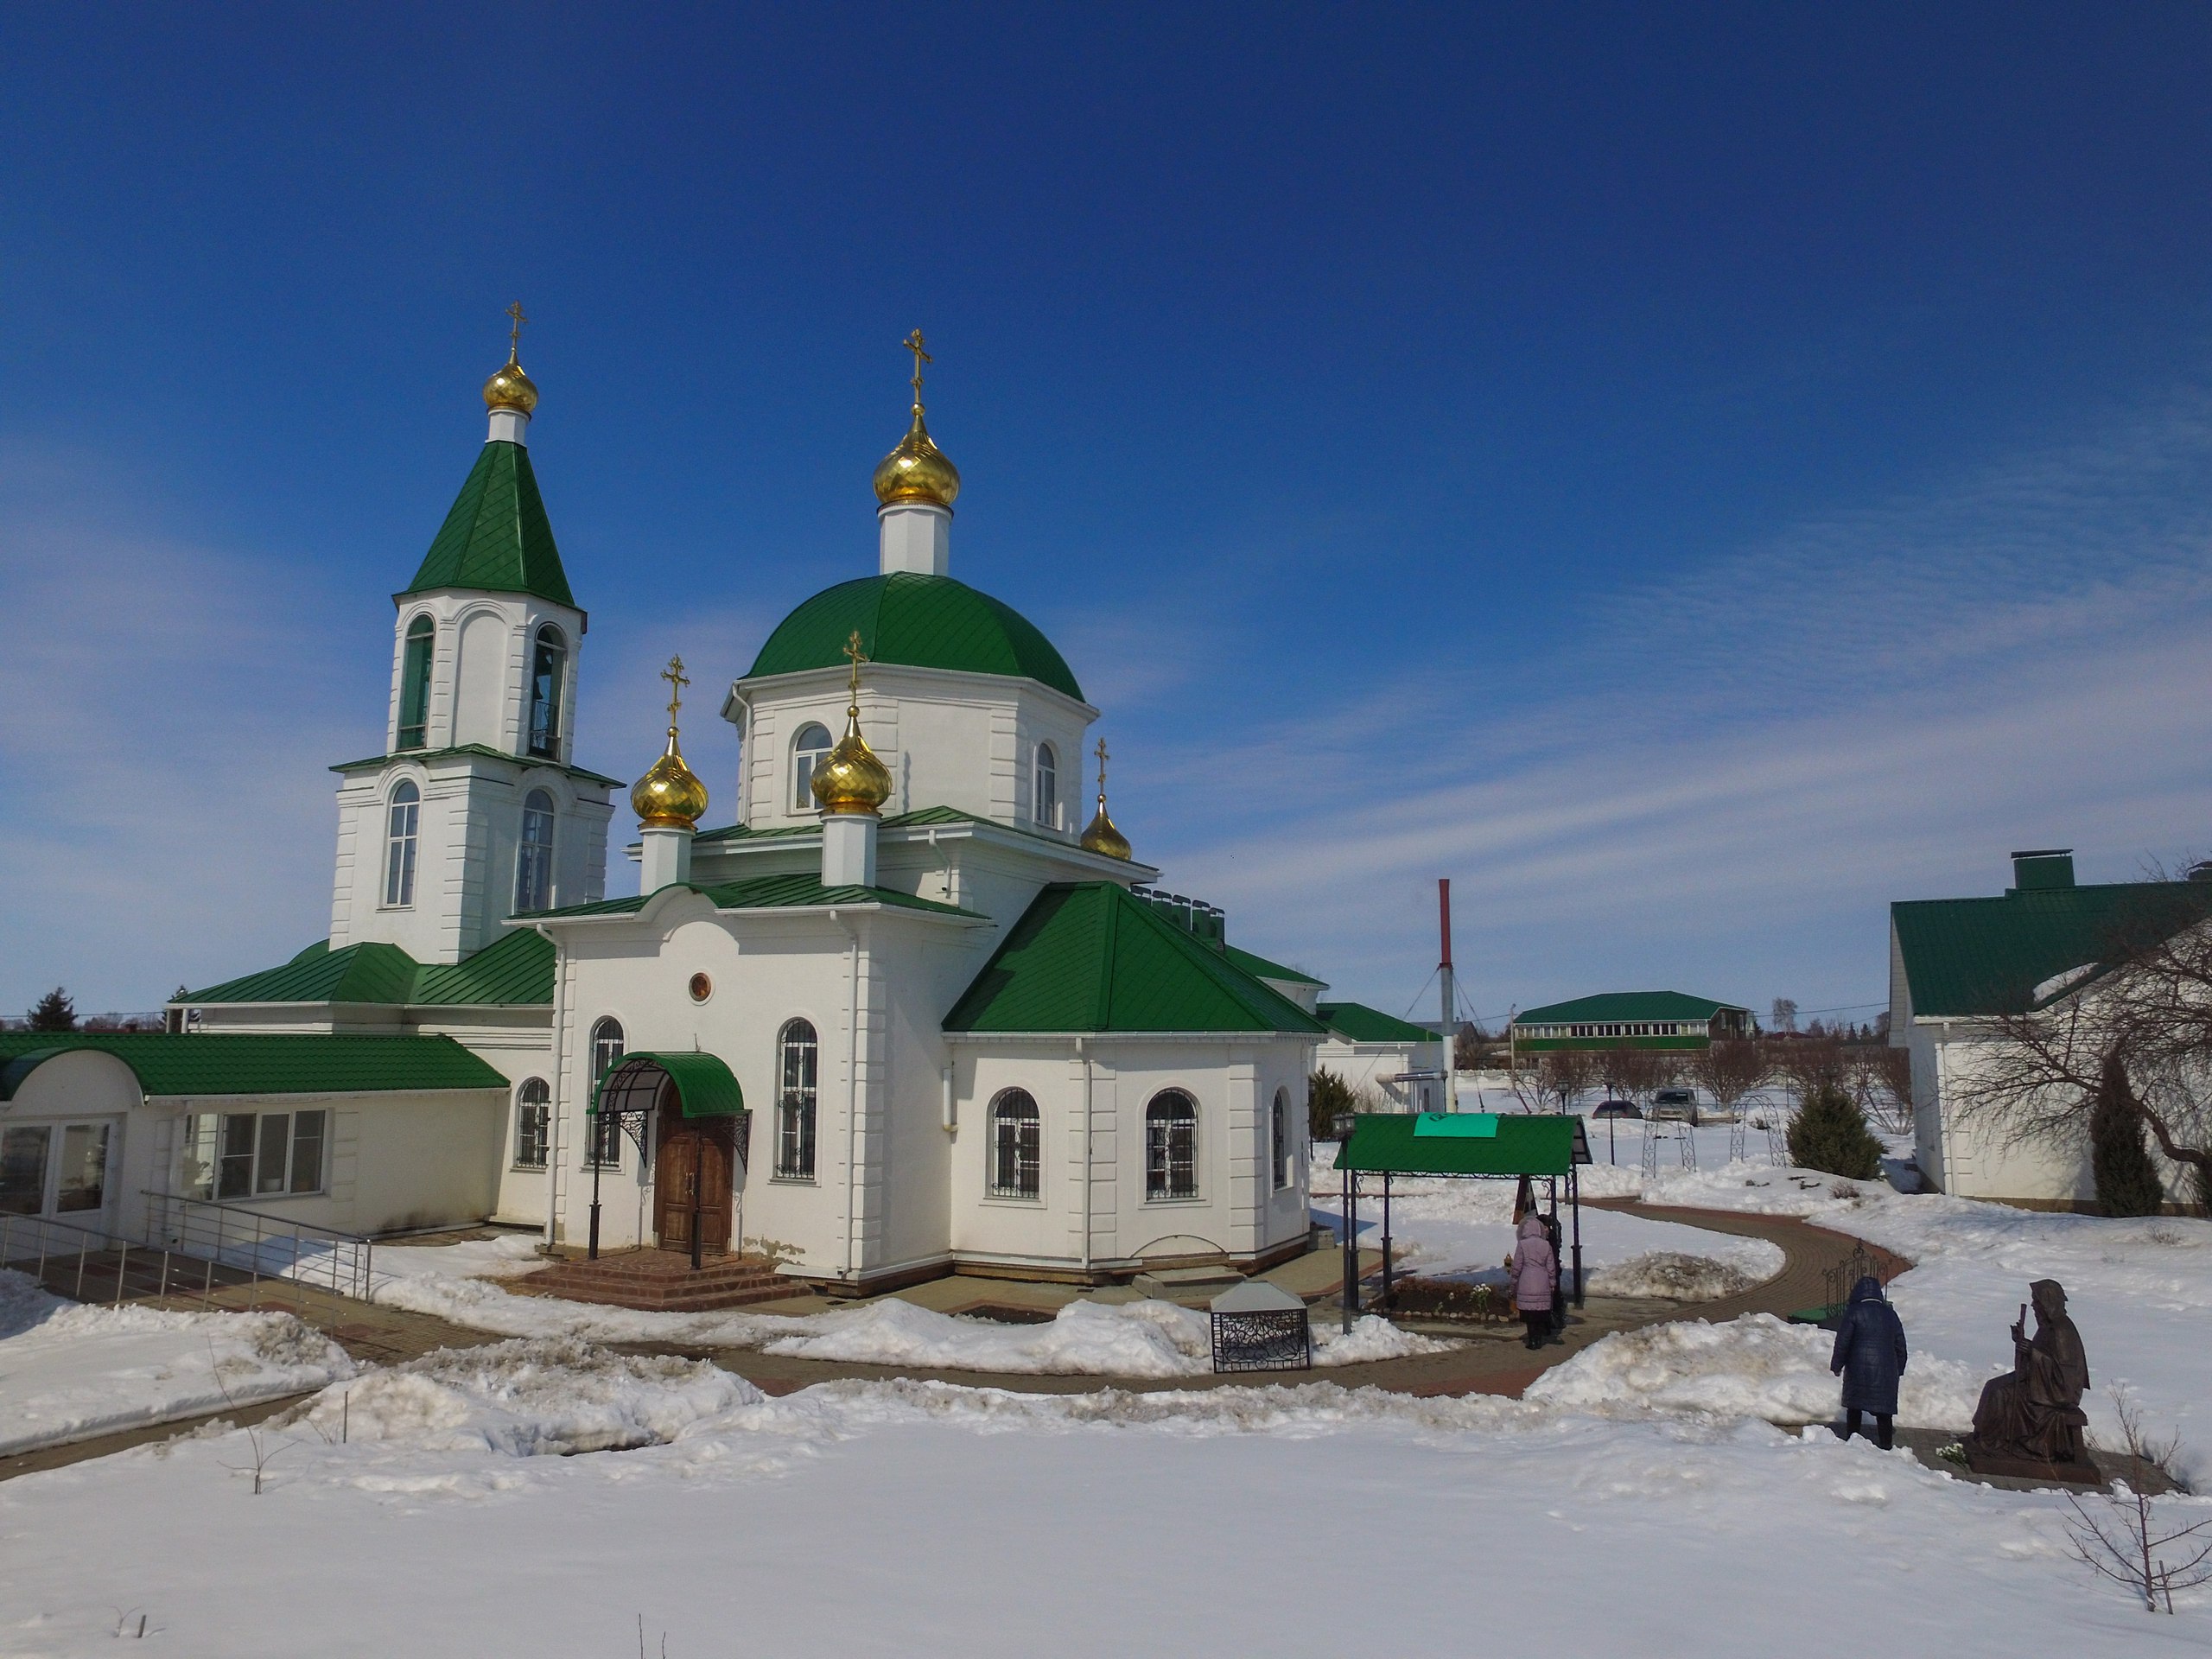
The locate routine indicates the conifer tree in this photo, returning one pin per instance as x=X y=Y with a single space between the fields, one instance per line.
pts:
x=1829 y=1133
x=2127 y=1180
x=55 y=1011
x=1327 y=1096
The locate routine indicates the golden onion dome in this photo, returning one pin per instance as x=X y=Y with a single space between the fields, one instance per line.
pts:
x=1101 y=836
x=852 y=781
x=509 y=388
x=670 y=795
x=917 y=470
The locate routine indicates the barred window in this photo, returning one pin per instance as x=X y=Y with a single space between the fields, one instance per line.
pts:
x=1016 y=1145
x=1171 y=1147
x=606 y=1054
x=533 y=1123
x=1279 y=1125
x=799 y=1062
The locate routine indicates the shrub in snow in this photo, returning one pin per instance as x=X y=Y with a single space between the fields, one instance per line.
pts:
x=2119 y=1157
x=1829 y=1133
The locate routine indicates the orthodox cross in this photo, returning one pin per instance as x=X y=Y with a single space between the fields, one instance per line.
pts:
x=514 y=334
x=913 y=343
x=1101 y=771
x=854 y=655
x=677 y=681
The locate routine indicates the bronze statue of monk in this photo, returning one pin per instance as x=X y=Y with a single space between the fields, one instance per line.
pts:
x=2035 y=1412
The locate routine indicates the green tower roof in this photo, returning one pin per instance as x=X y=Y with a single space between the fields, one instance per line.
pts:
x=920 y=622
x=497 y=538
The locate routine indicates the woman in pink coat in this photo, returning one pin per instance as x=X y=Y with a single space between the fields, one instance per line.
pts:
x=1534 y=1266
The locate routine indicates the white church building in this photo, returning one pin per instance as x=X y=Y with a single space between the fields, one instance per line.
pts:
x=907 y=1013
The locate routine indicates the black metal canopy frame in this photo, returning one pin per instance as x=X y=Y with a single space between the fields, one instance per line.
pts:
x=1351 y=1225
x=629 y=1097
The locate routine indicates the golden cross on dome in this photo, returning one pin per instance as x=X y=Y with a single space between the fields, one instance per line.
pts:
x=514 y=334
x=913 y=343
x=677 y=681
x=854 y=655
x=1102 y=769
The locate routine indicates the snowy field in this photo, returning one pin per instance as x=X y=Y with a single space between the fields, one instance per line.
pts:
x=921 y=1519
x=68 y=1372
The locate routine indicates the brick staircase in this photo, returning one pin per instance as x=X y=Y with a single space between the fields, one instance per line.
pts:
x=660 y=1280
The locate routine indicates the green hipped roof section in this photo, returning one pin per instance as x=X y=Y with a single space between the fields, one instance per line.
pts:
x=1968 y=956
x=1261 y=967
x=917 y=621
x=705 y=1086
x=1088 y=957
x=497 y=538
x=514 y=970
x=1534 y=1143
x=1626 y=1005
x=799 y=892
x=217 y=1064
x=1358 y=1023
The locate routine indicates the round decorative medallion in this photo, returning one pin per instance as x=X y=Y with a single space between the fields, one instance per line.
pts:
x=701 y=988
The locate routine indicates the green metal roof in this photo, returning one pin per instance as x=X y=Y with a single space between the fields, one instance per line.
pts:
x=497 y=538
x=515 y=969
x=1534 y=1143
x=1261 y=967
x=427 y=756
x=800 y=891
x=1625 y=1005
x=1968 y=956
x=215 y=1064
x=705 y=1087
x=1358 y=1023
x=919 y=622
x=1088 y=957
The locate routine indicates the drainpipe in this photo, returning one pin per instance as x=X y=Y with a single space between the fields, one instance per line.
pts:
x=852 y=1087
x=1082 y=1049
x=558 y=1104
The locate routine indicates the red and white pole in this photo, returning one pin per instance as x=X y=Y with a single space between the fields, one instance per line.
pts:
x=1450 y=1026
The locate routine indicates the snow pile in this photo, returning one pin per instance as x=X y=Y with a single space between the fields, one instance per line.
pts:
x=1671 y=1275
x=1143 y=1339
x=530 y=1399
x=1756 y=1366
x=506 y=1256
x=67 y=1371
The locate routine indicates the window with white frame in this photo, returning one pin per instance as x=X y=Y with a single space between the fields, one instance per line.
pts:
x=798 y=1068
x=1171 y=1147
x=400 y=828
x=534 y=854
x=533 y=1123
x=55 y=1169
x=1047 y=791
x=606 y=1053
x=809 y=750
x=1016 y=1146
x=1279 y=1126
x=548 y=662
x=254 y=1154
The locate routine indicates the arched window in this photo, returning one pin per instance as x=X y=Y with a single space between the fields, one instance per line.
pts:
x=1171 y=1147
x=548 y=662
x=401 y=829
x=798 y=1058
x=1279 y=1125
x=534 y=854
x=1015 y=1146
x=533 y=1123
x=809 y=750
x=606 y=1053
x=414 y=682
x=1048 y=786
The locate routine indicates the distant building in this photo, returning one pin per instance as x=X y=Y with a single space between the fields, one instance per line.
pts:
x=1668 y=1020
x=1368 y=1049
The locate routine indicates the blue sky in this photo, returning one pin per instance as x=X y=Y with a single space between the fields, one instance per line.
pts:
x=1691 y=479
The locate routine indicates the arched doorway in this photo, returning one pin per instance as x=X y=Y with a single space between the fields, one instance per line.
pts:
x=697 y=1115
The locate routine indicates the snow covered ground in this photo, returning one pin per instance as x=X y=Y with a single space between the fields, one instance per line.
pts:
x=920 y=1519
x=68 y=1372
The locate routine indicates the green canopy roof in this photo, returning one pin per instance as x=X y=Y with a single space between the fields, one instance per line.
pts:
x=1358 y=1023
x=497 y=538
x=1533 y=1143
x=1089 y=956
x=515 y=970
x=216 y=1064
x=917 y=620
x=705 y=1087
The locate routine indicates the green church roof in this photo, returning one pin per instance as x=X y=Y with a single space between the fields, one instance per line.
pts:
x=1358 y=1023
x=513 y=971
x=497 y=538
x=1968 y=956
x=224 y=1064
x=917 y=622
x=1625 y=1005
x=1088 y=957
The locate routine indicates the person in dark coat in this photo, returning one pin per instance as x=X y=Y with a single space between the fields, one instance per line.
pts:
x=1870 y=1354
x=1558 y=1243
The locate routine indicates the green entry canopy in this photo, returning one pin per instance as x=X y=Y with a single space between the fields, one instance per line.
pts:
x=704 y=1086
x=1465 y=1126
x=1399 y=1143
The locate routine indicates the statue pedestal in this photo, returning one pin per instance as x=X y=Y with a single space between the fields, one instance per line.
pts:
x=1987 y=1461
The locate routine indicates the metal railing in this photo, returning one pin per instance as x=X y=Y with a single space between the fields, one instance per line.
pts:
x=260 y=1246
x=93 y=1264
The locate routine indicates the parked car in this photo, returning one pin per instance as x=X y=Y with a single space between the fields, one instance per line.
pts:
x=1677 y=1103
x=1617 y=1109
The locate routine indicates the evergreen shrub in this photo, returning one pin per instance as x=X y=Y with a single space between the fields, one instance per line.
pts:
x=1830 y=1134
x=2119 y=1157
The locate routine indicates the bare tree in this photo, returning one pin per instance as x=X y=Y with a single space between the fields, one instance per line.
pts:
x=1784 y=1013
x=1730 y=1068
x=1630 y=1072
x=1882 y=1079
x=2119 y=1537
x=1554 y=1080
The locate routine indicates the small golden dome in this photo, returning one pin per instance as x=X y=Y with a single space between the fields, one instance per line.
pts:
x=852 y=781
x=917 y=470
x=670 y=795
x=1101 y=836
x=509 y=388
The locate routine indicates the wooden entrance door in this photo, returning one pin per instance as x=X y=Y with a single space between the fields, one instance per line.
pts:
x=697 y=1156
